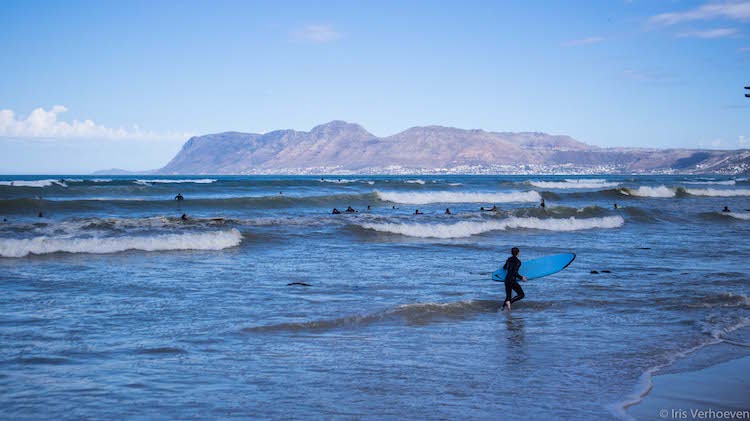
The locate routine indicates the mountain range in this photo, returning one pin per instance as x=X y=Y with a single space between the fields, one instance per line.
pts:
x=339 y=146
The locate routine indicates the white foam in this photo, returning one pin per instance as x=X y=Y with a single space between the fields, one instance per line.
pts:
x=215 y=240
x=454 y=184
x=338 y=181
x=469 y=228
x=168 y=181
x=422 y=198
x=594 y=183
x=646 y=191
x=725 y=182
x=414 y=181
x=31 y=183
x=718 y=192
x=738 y=215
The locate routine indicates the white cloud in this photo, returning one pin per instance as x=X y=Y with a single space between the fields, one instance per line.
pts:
x=316 y=34
x=709 y=33
x=711 y=144
x=732 y=10
x=43 y=124
x=583 y=41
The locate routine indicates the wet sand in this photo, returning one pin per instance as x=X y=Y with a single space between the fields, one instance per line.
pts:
x=720 y=387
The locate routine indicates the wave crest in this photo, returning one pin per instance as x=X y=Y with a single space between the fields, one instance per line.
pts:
x=718 y=192
x=215 y=240
x=468 y=228
x=646 y=191
x=423 y=198
x=594 y=183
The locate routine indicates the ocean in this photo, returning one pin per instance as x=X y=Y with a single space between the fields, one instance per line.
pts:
x=265 y=304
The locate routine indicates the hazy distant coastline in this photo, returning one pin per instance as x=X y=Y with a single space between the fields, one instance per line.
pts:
x=344 y=148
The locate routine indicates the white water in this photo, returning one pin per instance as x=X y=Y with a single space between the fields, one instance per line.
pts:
x=469 y=228
x=32 y=183
x=214 y=240
x=718 y=192
x=594 y=183
x=168 y=181
x=423 y=198
x=646 y=191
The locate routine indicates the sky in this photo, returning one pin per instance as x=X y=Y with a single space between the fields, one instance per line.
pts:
x=104 y=84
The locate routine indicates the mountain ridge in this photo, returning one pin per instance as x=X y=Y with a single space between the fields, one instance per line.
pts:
x=341 y=146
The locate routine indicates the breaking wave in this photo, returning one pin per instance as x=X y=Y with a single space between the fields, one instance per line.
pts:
x=215 y=240
x=423 y=198
x=468 y=228
x=414 y=181
x=718 y=192
x=738 y=215
x=32 y=183
x=338 y=181
x=168 y=181
x=646 y=191
x=593 y=183
x=724 y=182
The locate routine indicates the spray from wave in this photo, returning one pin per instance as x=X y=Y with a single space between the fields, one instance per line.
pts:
x=724 y=182
x=646 y=191
x=468 y=228
x=32 y=183
x=423 y=198
x=215 y=240
x=593 y=183
x=168 y=181
x=718 y=192
x=738 y=215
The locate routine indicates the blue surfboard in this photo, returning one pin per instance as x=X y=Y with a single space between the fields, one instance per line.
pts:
x=536 y=268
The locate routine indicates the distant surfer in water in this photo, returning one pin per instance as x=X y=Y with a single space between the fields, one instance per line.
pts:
x=350 y=209
x=615 y=205
x=726 y=209
x=184 y=217
x=542 y=204
x=335 y=211
x=511 y=278
x=179 y=197
x=417 y=212
x=447 y=211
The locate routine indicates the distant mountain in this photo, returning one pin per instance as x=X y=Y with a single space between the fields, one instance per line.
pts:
x=118 y=171
x=339 y=146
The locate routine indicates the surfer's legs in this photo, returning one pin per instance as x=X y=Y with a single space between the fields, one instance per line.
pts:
x=519 y=292
x=508 y=293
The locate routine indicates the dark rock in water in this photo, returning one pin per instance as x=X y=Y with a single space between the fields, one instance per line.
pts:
x=299 y=283
x=606 y=271
x=594 y=272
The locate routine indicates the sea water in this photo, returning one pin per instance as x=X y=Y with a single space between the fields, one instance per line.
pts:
x=113 y=306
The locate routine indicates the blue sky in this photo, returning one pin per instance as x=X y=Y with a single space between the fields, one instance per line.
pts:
x=149 y=74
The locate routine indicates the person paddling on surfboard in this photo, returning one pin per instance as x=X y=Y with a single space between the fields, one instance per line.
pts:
x=512 y=265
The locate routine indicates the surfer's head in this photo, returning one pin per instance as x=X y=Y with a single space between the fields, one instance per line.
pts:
x=514 y=251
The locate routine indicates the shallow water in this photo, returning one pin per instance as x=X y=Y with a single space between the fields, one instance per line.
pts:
x=112 y=306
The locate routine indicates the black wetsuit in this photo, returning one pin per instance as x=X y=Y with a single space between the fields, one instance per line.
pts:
x=511 y=280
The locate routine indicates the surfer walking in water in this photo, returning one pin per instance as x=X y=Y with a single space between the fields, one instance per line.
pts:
x=512 y=265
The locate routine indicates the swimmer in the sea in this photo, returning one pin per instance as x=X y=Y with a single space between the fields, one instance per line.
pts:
x=184 y=217
x=447 y=211
x=543 y=205
x=726 y=209
x=179 y=197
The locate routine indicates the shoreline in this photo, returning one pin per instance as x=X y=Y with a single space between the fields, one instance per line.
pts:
x=694 y=384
